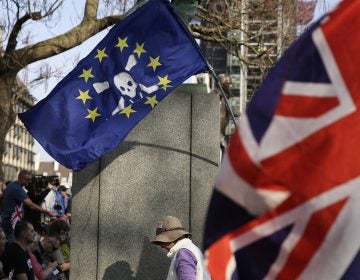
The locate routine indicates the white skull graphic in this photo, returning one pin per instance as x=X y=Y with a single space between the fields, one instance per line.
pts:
x=125 y=84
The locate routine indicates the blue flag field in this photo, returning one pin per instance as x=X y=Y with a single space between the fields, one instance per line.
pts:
x=139 y=62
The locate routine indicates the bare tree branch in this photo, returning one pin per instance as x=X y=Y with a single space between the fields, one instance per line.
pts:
x=29 y=54
x=91 y=8
x=17 y=28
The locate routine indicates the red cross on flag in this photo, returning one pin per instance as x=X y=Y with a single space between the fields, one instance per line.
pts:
x=286 y=201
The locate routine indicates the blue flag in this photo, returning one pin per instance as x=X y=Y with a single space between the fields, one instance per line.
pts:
x=142 y=59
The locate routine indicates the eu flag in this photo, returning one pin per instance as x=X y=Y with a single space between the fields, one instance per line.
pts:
x=142 y=59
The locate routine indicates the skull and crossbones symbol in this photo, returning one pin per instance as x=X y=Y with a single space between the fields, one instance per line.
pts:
x=127 y=86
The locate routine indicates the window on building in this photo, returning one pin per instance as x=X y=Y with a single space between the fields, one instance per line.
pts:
x=30 y=139
x=234 y=60
x=254 y=72
x=235 y=80
x=18 y=131
x=16 y=152
x=31 y=157
x=7 y=147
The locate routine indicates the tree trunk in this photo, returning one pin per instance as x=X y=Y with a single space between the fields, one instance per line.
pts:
x=7 y=113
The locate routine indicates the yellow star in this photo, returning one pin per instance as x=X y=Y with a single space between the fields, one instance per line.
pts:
x=154 y=62
x=86 y=74
x=127 y=111
x=152 y=101
x=101 y=54
x=122 y=43
x=84 y=95
x=164 y=82
x=139 y=49
x=93 y=114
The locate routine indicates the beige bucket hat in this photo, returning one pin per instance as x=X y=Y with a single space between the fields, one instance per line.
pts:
x=169 y=230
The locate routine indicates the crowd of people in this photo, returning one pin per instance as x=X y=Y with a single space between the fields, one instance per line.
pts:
x=35 y=235
x=35 y=230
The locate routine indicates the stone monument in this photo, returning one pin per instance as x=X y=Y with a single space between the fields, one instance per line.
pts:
x=166 y=166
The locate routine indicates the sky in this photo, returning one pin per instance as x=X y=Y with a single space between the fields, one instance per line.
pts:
x=70 y=16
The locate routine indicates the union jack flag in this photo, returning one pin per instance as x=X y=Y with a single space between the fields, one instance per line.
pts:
x=17 y=215
x=287 y=198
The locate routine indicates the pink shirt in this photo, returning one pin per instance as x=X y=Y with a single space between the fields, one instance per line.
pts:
x=36 y=266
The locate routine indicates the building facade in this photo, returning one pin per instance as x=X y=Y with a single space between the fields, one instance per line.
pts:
x=263 y=32
x=19 y=144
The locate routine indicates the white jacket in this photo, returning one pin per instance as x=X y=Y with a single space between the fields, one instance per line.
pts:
x=186 y=243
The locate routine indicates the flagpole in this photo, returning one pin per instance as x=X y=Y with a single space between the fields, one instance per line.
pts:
x=211 y=69
x=222 y=92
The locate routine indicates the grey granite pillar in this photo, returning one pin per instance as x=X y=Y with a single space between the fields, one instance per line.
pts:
x=166 y=166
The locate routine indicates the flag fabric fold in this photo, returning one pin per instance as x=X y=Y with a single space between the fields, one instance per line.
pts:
x=137 y=64
x=285 y=200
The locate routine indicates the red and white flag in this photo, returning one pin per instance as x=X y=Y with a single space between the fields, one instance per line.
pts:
x=286 y=202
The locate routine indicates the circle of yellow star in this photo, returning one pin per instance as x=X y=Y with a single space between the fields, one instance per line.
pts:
x=139 y=49
x=101 y=54
x=164 y=82
x=84 y=95
x=151 y=101
x=154 y=62
x=122 y=43
x=86 y=74
x=93 y=114
x=127 y=111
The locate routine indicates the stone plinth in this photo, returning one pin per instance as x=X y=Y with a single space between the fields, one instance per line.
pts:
x=166 y=166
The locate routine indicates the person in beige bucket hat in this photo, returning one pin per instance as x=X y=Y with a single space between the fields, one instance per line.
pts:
x=187 y=260
x=169 y=230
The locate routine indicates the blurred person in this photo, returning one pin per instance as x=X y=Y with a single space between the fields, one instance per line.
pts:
x=41 y=271
x=54 y=201
x=14 y=199
x=61 y=230
x=65 y=250
x=2 y=189
x=67 y=201
x=187 y=260
x=2 y=186
x=37 y=191
x=2 y=249
x=16 y=258
x=44 y=251
x=3 y=241
x=225 y=81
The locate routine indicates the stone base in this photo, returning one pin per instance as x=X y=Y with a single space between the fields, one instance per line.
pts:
x=166 y=166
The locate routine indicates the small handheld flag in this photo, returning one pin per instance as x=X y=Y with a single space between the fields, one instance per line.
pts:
x=140 y=61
